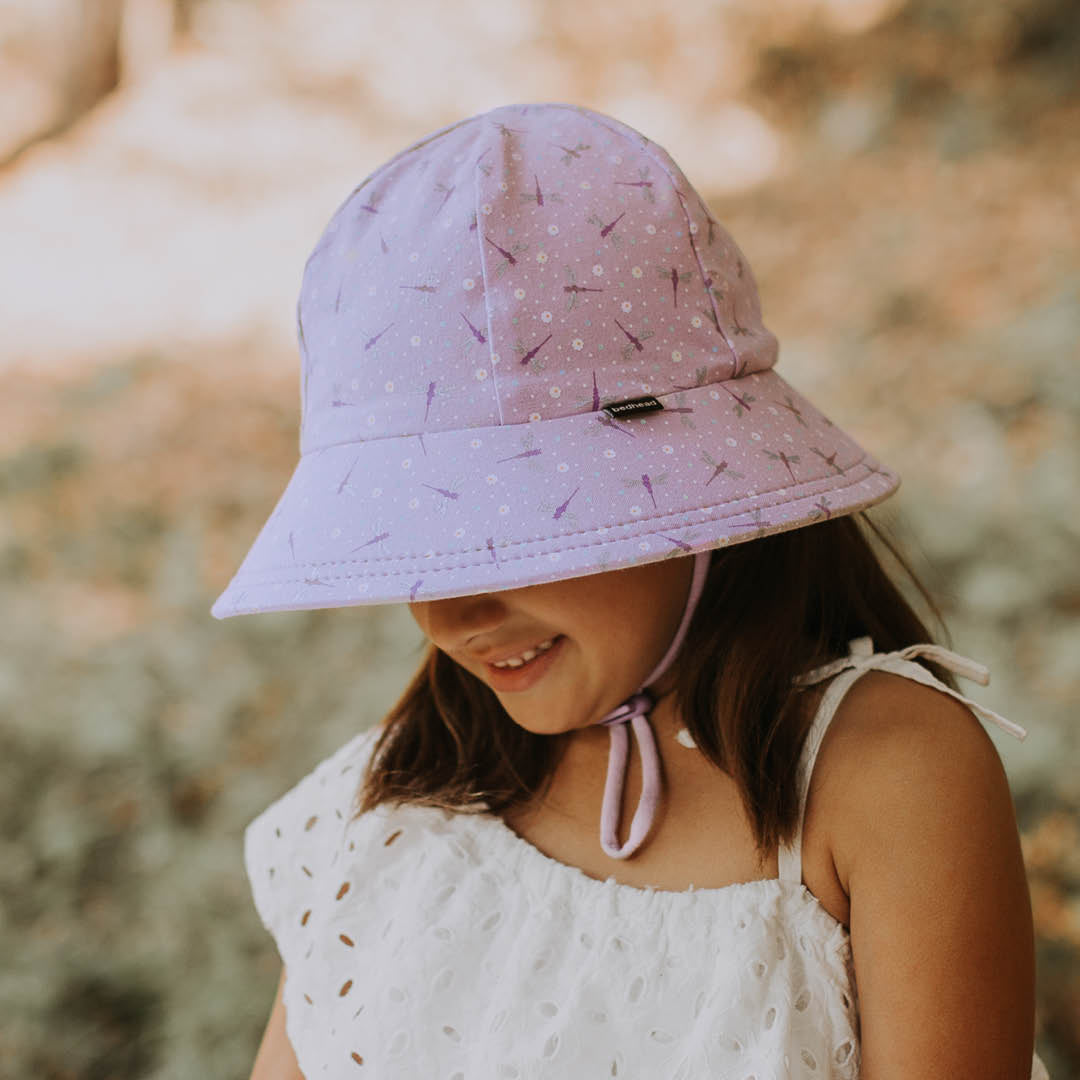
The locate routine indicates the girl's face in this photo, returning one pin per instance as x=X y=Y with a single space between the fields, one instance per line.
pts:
x=613 y=629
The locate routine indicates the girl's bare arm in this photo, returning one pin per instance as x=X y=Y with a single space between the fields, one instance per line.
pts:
x=275 y=1059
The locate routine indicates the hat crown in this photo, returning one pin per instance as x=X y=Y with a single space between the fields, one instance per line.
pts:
x=532 y=262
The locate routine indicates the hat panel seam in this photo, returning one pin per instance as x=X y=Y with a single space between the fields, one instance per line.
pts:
x=647 y=145
x=581 y=532
x=480 y=226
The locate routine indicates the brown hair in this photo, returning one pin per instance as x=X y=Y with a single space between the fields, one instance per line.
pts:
x=771 y=608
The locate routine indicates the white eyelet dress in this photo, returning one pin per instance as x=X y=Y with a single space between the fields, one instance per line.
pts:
x=427 y=945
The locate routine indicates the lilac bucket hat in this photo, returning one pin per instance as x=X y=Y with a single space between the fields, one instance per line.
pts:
x=530 y=352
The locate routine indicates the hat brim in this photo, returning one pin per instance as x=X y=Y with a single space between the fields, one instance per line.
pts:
x=452 y=513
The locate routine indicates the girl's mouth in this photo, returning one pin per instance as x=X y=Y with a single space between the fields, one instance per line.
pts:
x=521 y=678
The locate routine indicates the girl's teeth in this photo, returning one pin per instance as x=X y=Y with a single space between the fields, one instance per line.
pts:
x=527 y=655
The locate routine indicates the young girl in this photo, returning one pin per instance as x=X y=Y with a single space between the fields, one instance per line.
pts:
x=540 y=407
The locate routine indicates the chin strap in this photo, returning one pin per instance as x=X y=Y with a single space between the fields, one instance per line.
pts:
x=636 y=710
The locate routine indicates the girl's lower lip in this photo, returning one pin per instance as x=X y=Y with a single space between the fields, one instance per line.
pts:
x=523 y=677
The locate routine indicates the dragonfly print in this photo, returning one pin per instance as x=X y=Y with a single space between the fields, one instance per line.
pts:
x=678 y=406
x=371 y=206
x=647 y=483
x=700 y=375
x=570 y=154
x=338 y=402
x=528 y=451
x=711 y=220
x=607 y=229
x=787 y=459
x=829 y=459
x=743 y=399
x=605 y=422
x=537 y=195
x=509 y=255
x=345 y=485
x=673 y=275
x=379 y=534
x=685 y=543
x=719 y=468
x=509 y=132
x=821 y=509
x=643 y=183
x=758 y=522
x=446 y=192
x=374 y=340
x=710 y=314
x=478 y=334
x=591 y=403
x=560 y=510
x=793 y=409
x=635 y=340
x=573 y=290
x=445 y=496
x=426 y=291
x=527 y=354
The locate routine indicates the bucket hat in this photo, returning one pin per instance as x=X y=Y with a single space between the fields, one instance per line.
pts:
x=529 y=352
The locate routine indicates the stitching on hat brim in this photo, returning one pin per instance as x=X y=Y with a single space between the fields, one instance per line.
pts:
x=561 y=537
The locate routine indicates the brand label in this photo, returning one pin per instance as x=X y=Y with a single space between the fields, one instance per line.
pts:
x=632 y=406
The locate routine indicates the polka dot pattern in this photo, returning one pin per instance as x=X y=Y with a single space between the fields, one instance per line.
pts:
x=468 y=313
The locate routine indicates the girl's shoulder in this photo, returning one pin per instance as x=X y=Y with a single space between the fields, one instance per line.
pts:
x=891 y=745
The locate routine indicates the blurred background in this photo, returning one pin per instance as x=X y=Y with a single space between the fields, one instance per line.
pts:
x=904 y=176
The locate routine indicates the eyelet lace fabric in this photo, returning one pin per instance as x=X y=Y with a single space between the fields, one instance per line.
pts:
x=426 y=945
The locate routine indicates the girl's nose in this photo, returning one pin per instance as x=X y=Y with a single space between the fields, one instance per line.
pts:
x=454 y=622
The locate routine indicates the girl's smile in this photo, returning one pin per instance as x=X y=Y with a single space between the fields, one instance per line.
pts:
x=610 y=630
